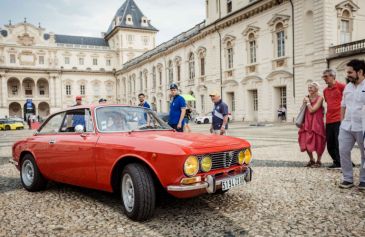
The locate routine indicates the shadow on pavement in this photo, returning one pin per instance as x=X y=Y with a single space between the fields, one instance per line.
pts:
x=202 y=216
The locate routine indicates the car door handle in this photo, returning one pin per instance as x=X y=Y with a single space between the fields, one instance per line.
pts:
x=52 y=141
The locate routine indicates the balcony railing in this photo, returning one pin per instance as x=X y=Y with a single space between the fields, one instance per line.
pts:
x=347 y=48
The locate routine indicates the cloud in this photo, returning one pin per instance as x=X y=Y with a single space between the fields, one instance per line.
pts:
x=91 y=17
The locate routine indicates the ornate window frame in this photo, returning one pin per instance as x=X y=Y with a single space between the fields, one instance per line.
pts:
x=346 y=11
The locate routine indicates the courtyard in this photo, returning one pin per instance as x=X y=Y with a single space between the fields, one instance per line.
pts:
x=284 y=199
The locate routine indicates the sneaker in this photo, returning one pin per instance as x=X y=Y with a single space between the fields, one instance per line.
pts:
x=346 y=184
x=334 y=166
x=362 y=186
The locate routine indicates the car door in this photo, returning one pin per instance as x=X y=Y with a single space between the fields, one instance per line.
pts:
x=75 y=159
x=41 y=143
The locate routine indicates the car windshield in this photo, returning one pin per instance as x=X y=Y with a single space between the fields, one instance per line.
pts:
x=126 y=119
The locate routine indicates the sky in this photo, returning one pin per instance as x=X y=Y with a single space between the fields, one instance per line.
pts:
x=91 y=17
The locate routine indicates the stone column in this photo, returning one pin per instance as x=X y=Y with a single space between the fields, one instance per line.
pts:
x=51 y=91
x=4 y=94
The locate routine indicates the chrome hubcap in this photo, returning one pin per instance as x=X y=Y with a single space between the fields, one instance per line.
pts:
x=28 y=173
x=128 y=192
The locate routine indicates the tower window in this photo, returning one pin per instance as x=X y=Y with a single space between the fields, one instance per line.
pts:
x=229 y=6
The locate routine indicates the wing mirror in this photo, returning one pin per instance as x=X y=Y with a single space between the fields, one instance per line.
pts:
x=79 y=128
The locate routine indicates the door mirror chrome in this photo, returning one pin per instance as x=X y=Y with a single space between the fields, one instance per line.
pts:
x=79 y=128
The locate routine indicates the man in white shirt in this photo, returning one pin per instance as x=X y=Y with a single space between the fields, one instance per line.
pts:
x=351 y=129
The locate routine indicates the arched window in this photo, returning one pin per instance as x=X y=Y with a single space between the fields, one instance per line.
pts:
x=252 y=45
x=229 y=55
x=345 y=35
x=280 y=39
x=191 y=66
x=170 y=71
x=140 y=81
x=202 y=63
x=154 y=77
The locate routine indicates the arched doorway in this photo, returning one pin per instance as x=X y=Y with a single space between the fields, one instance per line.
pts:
x=15 y=110
x=43 y=110
x=13 y=87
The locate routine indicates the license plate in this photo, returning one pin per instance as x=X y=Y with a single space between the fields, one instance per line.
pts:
x=233 y=182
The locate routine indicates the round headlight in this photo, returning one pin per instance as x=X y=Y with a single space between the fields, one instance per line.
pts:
x=248 y=156
x=241 y=157
x=206 y=164
x=191 y=166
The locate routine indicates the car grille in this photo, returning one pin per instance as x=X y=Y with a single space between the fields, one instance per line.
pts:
x=224 y=159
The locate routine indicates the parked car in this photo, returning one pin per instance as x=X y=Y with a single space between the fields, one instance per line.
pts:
x=129 y=150
x=207 y=118
x=8 y=124
x=164 y=116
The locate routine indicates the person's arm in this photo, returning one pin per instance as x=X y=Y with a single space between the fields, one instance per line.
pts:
x=182 y=115
x=317 y=106
x=343 y=111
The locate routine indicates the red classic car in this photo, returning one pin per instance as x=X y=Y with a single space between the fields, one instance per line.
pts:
x=131 y=151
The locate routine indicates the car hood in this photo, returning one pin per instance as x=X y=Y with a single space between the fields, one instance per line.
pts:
x=192 y=140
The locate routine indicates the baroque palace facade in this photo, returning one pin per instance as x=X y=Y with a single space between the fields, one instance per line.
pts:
x=260 y=54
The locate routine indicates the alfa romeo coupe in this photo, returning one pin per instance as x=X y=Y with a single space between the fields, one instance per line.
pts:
x=129 y=150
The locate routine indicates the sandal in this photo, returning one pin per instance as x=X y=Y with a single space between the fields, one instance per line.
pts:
x=318 y=164
x=310 y=164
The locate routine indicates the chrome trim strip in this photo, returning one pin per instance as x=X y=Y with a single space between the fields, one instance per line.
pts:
x=205 y=185
x=11 y=161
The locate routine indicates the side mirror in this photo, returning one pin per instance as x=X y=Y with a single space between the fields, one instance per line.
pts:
x=79 y=128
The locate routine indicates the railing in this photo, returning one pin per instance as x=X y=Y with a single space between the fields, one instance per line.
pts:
x=348 y=47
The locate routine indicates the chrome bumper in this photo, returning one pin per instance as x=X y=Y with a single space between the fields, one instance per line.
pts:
x=211 y=183
x=11 y=161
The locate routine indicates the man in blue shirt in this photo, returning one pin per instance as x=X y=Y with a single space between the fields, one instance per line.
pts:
x=177 y=109
x=142 y=102
x=219 y=115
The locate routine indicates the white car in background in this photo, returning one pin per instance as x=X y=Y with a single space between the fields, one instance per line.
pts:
x=207 y=118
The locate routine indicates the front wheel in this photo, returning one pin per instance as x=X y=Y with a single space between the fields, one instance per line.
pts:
x=30 y=176
x=138 y=192
x=206 y=121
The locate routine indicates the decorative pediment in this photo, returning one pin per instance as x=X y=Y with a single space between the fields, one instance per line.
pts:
x=251 y=78
x=201 y=51
x=279 y=18
x=26 y=40
x=227 y=38
x=82 y=82
x=279 y=74
x=176 y=59
x=228 y=83
x=250 y=29
x=159 y=65
x=346 y=5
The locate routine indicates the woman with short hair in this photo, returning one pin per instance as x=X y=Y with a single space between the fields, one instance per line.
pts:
x=312 y=136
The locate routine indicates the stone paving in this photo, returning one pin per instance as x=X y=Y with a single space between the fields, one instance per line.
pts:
x=284 y=199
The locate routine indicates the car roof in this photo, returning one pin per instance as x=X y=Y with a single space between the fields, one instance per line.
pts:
x=93 y=106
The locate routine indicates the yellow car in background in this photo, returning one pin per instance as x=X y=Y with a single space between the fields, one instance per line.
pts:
x=11 y=125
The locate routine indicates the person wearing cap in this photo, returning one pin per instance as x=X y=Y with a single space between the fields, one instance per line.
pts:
x=219 y=115
x=78 y=101
x=102 y=101
x=177 y=109
x=78 y=119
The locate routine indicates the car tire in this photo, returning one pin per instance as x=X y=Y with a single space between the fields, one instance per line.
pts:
x=198 y=122
x=138 y=192
x=220 y=192
x=30 y=176
x=206 y=121
x=7 y=127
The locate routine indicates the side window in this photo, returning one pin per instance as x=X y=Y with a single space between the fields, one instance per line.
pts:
x=77 y=117
x=53 y=124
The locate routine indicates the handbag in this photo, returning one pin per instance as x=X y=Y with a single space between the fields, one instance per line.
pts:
x=300 y=117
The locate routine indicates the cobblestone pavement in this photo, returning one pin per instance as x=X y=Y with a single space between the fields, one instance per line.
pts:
x=284 y=199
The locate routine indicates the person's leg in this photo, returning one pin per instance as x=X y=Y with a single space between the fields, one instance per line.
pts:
x=311 y=159
x=330 y=136
x=336 y=152
x=347 y=142
x=360 y=142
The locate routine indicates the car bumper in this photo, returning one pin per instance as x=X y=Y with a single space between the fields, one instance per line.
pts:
x=211 y=184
